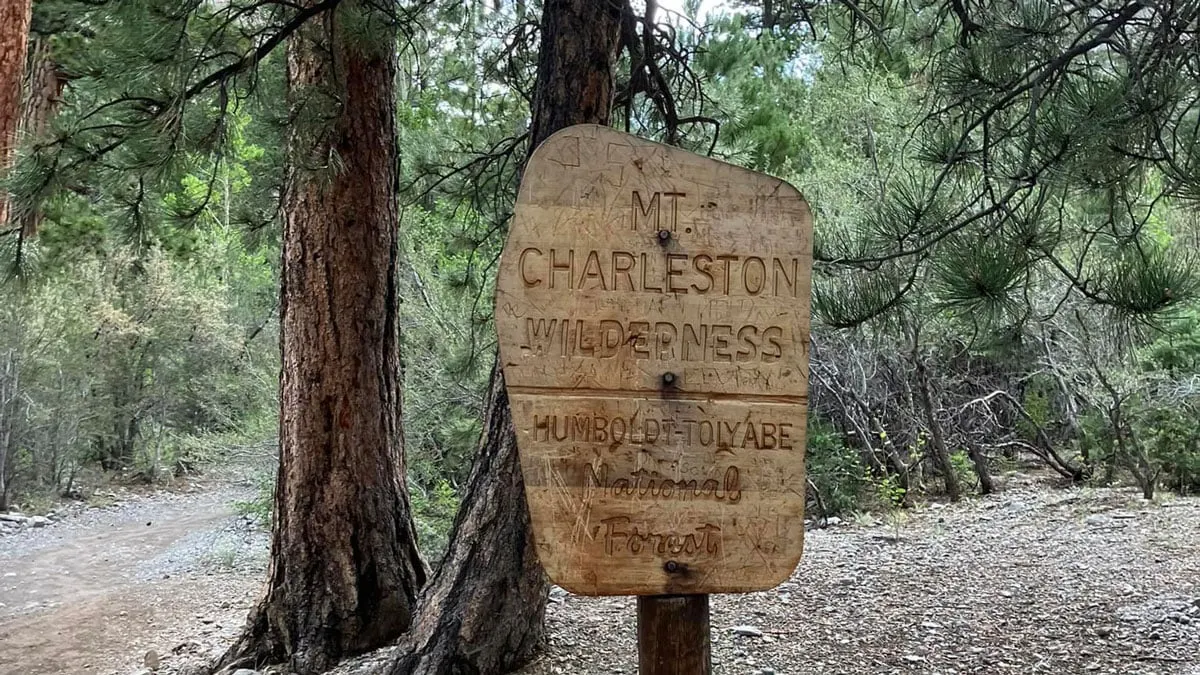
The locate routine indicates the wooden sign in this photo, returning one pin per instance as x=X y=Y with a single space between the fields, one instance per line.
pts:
x=652 y=308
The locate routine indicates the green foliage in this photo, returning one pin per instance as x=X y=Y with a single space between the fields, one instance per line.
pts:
x=1037 y=403
x=968 y=184
x=260 y=506
x=447 y=347
x=835 y=469
x=963 y=468
x=1172 y=439
x=433 y=512
x=1177 y=348
x=126 y=359
x=890 y=492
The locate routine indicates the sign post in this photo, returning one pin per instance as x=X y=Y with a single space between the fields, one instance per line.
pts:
x=673 y=636
x=652 y=309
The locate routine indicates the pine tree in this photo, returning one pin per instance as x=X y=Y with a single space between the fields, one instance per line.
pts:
x=484 y=608
x=156 y=98
x=1045 y=140
x=345 y=569
x=15 y=16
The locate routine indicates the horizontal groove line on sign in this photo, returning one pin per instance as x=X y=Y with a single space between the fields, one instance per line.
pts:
x=656 y=394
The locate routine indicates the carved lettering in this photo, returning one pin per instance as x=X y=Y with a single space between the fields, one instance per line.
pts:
x=645 y=484
x=650 y=212
x=529 y=283
x=670 y=273
x=556 y=266
x=620 y=536
x=673 y=272
x=640 y=208
x=637 y=430
x=754 y=275
x=658 y=341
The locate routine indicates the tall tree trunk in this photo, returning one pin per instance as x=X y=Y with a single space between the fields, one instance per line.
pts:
x=44 y=83
x=484 y=610
x=344 y=570
x=14 y=37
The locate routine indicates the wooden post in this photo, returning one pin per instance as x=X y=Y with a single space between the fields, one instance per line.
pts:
x=673 y=635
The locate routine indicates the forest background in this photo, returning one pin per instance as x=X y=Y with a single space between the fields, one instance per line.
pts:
x=1004 y=197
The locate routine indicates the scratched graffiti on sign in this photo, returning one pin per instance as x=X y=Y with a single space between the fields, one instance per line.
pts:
x=652 y=308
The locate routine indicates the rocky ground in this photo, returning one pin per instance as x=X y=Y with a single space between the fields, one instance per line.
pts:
x=1034 y=580
x=126 y=581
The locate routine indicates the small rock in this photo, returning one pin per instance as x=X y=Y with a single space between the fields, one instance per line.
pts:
x=150 y=660
x=747 y=631
x=39 y=521
x=244 y=671
x=1104 y=631
x=1006 y=594
x=913 y=658
x=1179 y=617
x=931 y=625
x=833 y=521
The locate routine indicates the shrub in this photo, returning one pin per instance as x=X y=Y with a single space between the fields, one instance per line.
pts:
x=835 y=469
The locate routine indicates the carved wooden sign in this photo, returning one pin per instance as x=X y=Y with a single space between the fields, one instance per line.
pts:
x=652 y=308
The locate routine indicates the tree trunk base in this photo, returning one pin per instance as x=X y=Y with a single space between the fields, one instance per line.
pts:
x=255 y=648
x=484 y=610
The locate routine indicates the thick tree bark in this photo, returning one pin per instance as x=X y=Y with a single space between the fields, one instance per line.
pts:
x=44 y=83
x=14 y=37
x=483 y=612
x=344 y=570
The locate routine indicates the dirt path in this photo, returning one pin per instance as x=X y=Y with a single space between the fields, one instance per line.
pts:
x=93 y=593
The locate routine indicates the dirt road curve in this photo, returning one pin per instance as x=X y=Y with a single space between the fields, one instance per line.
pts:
x=94 y=593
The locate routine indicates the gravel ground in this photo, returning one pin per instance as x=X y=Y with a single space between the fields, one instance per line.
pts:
x=102 y=586
x=1033 y=580
x=1085 y=581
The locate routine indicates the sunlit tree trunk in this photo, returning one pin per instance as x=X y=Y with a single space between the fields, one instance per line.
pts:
x=344 y=569
x=44 y=83
x=14 y=37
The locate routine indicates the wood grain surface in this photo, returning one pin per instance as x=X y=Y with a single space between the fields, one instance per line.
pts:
x=652 y=309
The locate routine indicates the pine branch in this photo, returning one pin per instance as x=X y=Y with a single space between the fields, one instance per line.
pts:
x=269 y=45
